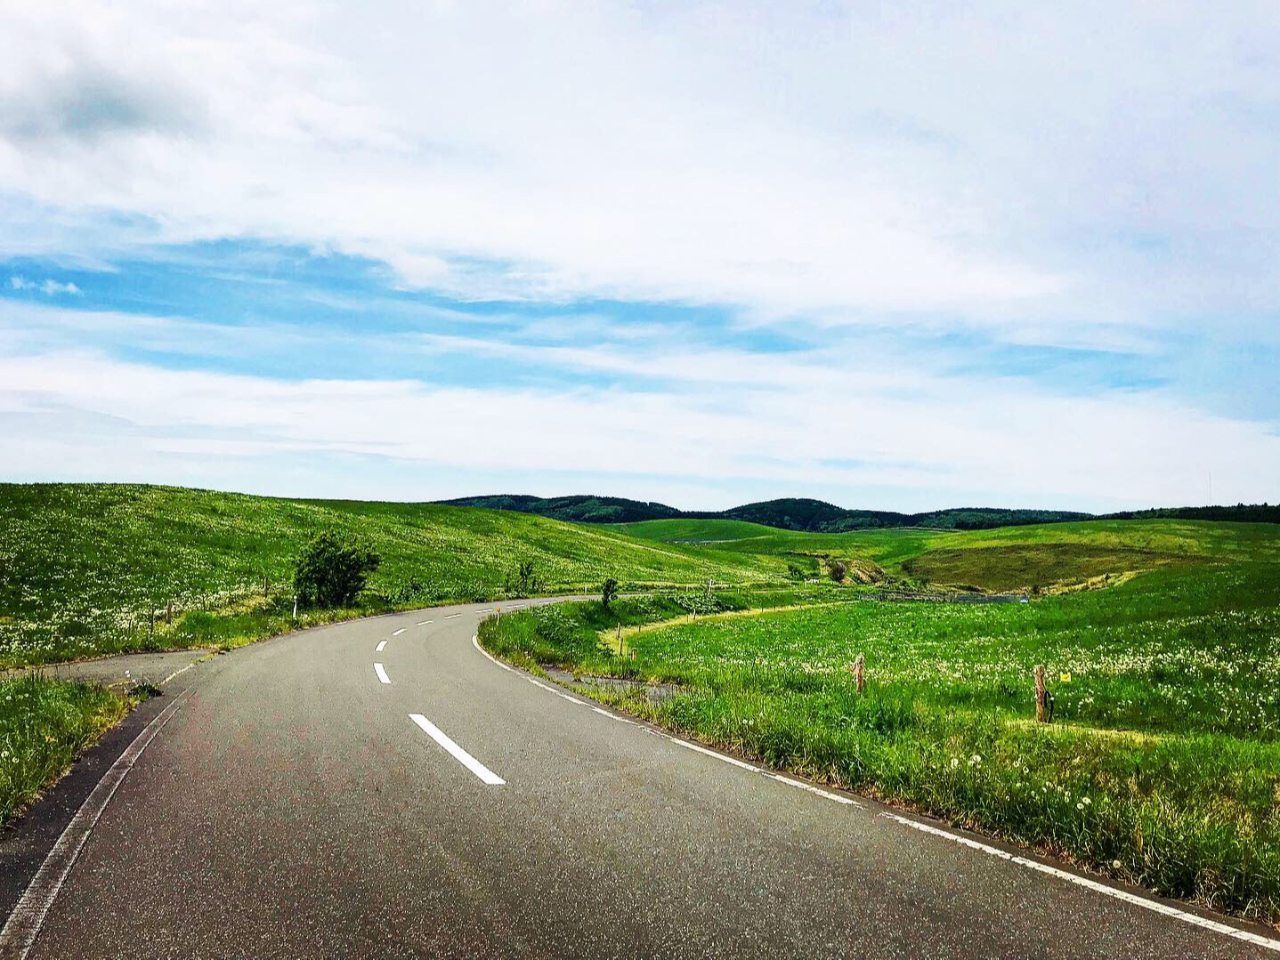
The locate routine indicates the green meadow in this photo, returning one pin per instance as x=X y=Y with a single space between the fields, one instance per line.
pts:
x=87 y=569
x=1161 y=765
x=1161 y=638
x=1008 y=558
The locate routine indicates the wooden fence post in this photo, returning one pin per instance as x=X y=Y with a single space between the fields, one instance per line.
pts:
x=860 y=673
x=265 y=584
x=1042 y=709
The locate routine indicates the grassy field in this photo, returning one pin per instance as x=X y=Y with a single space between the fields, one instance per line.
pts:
x=83 y=566
x=44 y=725
x=1162 y=765
x=698 y=531
x=1010 y=558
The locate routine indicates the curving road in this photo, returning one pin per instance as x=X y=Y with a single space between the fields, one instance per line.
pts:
x=381 y=788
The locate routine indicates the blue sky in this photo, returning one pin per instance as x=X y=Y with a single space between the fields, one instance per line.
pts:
x=905 y=259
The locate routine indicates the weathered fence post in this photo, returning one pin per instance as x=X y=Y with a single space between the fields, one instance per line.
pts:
x=265 y=584
x=860 y=673
x=1042 y=709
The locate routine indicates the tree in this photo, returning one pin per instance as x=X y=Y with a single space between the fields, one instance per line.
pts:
x=837 y=570
x=608 y=592
x=332 y=570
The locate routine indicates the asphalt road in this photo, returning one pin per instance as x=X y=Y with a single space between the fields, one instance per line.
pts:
x=294 y=805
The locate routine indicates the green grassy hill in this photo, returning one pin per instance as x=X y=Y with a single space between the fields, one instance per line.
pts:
x=696 y=531
x=1009 y=558
x=578 y=509
x=83 y=565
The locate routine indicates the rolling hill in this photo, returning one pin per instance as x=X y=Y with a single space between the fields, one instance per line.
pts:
x=799 y=514
x=83 y=567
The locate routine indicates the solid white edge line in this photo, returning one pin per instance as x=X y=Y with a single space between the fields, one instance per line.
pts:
x=382 y=674
x=464 y=758
x=382 y=645
x=1133 y=898
x=400 y=631
x=826 y=794
x=801 y=785
x=475 y=642
x=23 y=926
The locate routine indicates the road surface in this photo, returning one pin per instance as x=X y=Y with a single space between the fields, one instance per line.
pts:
x=382 y=788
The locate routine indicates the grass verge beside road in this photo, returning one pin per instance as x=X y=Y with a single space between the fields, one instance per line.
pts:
x=1162 y=766
x=44 y=725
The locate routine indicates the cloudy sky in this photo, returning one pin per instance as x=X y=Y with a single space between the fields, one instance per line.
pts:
x=898 y=255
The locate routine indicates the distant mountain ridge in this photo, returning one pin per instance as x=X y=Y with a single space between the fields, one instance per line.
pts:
x=800 y=514
x=581 y=509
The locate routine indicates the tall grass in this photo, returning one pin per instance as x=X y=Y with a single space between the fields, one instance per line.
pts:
x=44 y=726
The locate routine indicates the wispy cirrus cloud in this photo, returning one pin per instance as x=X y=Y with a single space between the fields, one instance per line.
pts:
x=49 y=287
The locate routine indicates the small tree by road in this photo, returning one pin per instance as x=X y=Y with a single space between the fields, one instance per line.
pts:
x=332 y=570
x=608 y=592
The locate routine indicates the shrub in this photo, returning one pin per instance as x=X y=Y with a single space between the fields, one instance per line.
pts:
x=608 y=592
x=526 y=581
x=332 y=570
x=412 y=592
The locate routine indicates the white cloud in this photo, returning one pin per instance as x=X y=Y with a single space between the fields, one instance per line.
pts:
x=48 y=287
x=68 y=415
x=986 y=166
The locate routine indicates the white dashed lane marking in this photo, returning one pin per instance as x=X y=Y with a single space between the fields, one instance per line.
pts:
x=382 y=674
x=464 y=758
